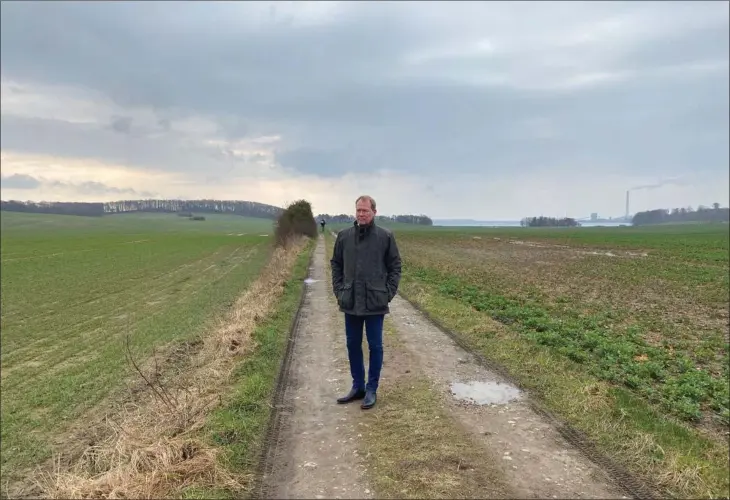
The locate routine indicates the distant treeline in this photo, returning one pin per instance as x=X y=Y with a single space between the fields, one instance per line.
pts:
x=702 y=214
x=548 y=222
x=245 y=208
x=59 y=207
x=422 y=220
x=336 y=219
x=235 y=207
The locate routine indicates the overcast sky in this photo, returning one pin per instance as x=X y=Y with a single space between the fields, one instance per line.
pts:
x=457 y=110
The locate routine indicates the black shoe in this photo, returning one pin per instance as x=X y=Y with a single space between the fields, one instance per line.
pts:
x=369 y=400
x=352 y=396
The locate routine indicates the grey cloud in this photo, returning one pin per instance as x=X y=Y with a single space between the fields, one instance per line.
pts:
x=101 y=189
x=23 y=181
x=92 y=187
x=711 y=44
x=318 y=162
x=665 y=182
x=19 y=181
x=233 y=127
x=121 y=124
x=73 y=140
x=344 y=99
x=65 y=139
x=15 y=89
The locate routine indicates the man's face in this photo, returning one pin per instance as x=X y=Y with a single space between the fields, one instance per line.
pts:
x=364 y=213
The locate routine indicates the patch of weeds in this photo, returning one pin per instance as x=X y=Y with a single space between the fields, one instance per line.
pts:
x=680 y=459
x=620 y=356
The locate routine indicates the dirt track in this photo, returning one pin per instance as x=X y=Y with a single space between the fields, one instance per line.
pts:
x=538 y=462
x=316 y=453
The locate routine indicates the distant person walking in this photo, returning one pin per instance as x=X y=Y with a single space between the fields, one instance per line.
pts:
x=322 y=223
x=366 y=271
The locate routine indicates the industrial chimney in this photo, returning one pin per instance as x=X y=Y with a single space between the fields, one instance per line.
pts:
x=627 y=205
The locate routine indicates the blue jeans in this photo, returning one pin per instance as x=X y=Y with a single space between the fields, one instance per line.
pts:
x=374 y=331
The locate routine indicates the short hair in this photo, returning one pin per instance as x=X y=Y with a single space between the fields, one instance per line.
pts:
x=368 y=198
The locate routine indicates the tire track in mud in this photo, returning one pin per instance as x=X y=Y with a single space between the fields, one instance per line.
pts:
x=565 y=461
x=553 y=449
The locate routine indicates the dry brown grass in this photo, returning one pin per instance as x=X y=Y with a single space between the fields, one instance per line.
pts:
x=687 y=475
x=150 y=448
x=414 y=448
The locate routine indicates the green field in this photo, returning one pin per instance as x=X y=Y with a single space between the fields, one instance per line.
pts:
x=622 y=331
x=74 y=287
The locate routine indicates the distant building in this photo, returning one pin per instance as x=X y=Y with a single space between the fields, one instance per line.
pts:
x=594 y=216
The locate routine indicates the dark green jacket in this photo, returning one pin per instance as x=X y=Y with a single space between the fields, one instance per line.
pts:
x=366 y=269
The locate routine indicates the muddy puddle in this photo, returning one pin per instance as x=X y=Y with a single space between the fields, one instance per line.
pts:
x=485 y=393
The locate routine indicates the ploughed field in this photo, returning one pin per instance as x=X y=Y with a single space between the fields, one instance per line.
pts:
x=74 y=289
x=621 y=331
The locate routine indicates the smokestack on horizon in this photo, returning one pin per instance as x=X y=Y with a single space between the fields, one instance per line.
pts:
x=627 y=204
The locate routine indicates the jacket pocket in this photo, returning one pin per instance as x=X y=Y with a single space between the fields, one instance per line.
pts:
x=376 y=297
x=346 y=297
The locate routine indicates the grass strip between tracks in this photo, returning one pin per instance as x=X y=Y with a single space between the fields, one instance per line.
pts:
x=411 y=446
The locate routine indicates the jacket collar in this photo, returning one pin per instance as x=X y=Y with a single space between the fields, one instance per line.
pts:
x=363 y=231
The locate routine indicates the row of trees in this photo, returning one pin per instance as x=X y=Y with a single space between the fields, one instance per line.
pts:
x=548 y=222
x=236 y=207
x=659 y=216
x=404 y=219
x=336 y=219
x=702 y=214
x=421 y=220
x=247 y=208
x=59 y=207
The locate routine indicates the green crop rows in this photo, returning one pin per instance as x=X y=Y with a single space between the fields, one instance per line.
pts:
x=74 y=288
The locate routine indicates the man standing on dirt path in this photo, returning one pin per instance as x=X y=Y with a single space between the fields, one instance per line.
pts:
x=366 y=271
x=322 y=223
